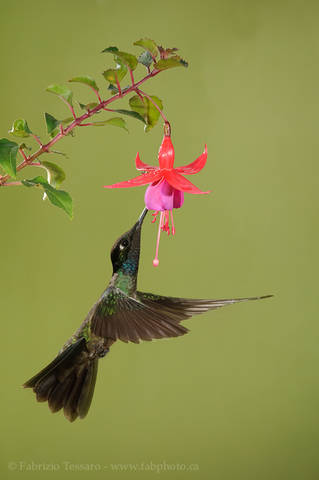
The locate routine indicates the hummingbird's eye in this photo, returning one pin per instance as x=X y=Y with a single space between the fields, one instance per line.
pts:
x=124 y=243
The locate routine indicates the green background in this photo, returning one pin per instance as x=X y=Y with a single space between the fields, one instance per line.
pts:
x=238 y=396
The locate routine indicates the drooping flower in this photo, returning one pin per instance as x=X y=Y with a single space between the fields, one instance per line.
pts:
x=166 y=185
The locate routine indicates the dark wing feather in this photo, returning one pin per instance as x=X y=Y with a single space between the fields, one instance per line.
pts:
x=178 y=309
x=120 y=317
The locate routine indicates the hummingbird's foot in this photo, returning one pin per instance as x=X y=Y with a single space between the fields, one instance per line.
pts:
x=103 y=352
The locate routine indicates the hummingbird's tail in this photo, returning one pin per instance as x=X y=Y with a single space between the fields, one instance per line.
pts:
x=67 y=382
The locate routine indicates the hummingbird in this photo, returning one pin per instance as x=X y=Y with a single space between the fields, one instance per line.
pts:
x=121 y=313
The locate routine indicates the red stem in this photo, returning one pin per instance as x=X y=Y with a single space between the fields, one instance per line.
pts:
x=12 y=184
x=97 y=94
x=23 y=154
x=36 y=138
x=118 y=85
x=77 y=121
x=154 y=103
x=132 y=76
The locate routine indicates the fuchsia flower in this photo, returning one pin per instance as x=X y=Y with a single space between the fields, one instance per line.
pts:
x=166 y=185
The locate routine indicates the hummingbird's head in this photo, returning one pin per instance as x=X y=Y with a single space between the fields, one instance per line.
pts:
x=125 y=252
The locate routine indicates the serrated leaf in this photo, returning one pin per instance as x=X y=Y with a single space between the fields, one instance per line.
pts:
x=128 y=59
x=148 y=45
x=115 y=121
x=166 y=52
x=20 y=128
x=130 y=113
x=59 y=198
x=165 y=63
x=61 y=91
x=147 y=110
x=8 y=157
x=51 y=122
x=146 y=59
x=110 y=50
x=56 y=174
x=88 y=106
x=86 y=80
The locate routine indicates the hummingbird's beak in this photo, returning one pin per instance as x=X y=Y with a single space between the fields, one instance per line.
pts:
x=141 y=218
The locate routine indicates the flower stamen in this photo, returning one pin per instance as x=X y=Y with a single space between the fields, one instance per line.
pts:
x=154 y=215
x=160 y=225
x=173 y=226
x=165 y=226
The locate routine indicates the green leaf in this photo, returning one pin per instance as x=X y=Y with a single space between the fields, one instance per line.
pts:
x=59 y=198
x=113 y=89
x=52 y=123
x=25 y=147
x=87 y=80
x=20 y=128
x=8 y=157
x=110 y=50
x=165 y=63
x=115 y=121
x=56 y=174
x=62 y=91
x=66 y=121
x=153 y=114
x=130 y=113
x=147 y=110
x=149 y=45
x=145 y=59
x=120 y=71
x=138 y=105
x=88 y=106
x=127 y=58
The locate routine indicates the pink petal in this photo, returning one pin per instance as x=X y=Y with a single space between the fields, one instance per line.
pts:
x=181 y=183
x=137 y=181
x=195 y=166
x=141 y=165
x=162 y=196
x=153 y=197
x=159 y=197
x=167 y=194
x=178 y=199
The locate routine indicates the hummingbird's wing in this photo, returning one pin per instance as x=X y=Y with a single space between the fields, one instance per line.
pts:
x=178 y=309
x=118 y=316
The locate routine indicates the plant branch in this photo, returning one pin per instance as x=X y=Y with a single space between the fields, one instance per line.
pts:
x=12 y=184
x=45 y=148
